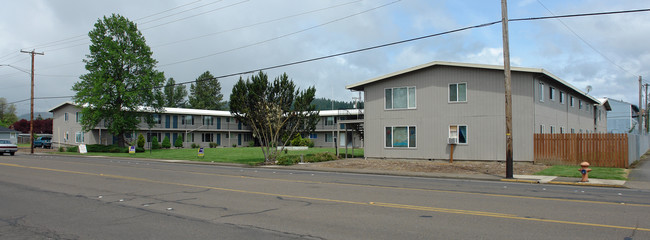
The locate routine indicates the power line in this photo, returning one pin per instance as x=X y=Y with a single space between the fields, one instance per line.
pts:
x=584 y=41
x=281 y=36
x=180 y=12
x=180 y=19
x=383 y=45
x=166 y=10
x=256 y=24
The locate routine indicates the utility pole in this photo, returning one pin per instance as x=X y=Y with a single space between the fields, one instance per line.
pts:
x=640 y=114
x=31 y=103
x=508 y=89
x=645 y=104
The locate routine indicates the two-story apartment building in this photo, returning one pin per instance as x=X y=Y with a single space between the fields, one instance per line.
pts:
x=417 y=113
x=194 y=126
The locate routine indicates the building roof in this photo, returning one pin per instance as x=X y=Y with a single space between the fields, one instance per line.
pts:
x=605 y=103
x=4 y=129
x=220 y=113
x=360 y=85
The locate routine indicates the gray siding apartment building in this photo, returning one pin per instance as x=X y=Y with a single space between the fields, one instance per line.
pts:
x=195 y=126
x=415 y=113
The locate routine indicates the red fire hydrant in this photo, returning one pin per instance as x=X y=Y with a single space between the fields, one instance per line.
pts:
x=584 y=170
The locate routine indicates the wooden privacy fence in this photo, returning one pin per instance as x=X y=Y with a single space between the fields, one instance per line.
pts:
x=599 y=149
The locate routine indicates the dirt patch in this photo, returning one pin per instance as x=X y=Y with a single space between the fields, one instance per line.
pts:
x=458 y=167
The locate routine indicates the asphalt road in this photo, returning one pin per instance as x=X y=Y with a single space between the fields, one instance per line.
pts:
x=61 y=197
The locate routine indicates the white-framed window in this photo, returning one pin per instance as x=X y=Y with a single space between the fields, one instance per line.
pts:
x=541 y=91
x=571 y=101
x=313 y=136
x=65 y=116
x=79 y=137
x=206 y=137
x=65 y=137
x=561 y=129
x=579 y=104
x=77 y=117
x=561 y=97
x=573 y=130
x=187 y=120
x=399 y=98
x=552 y=129
x=457 y=92
x=551 y=93
x=541 y=128
x=400 y=137
x=328 y=137
x=208 y=120
x=330 y=121
x=157 y=119
x=459 y=132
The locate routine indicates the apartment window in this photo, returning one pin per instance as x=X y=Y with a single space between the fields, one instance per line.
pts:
x=459 y=132
x=65 y=137
x=187 y=120
x=561 y=97
x=155 y=134
x=329 y=121
x=541 y=128
x=541 y=91
x=190 y=137
x=313 y=136
x=207 y=120
x=579 y=104
x=65 y=117
x=226 y=135
x=78 y=117
x=401 y=137
x=552 y=129
x=561 y=130
x=228 y=119
x=248 y=137
x=400 y=98
x=458 y=92
x=551 y=93
x=573 y=130
x=328 y=137
x=206 y=137
x=571 y=101
x=79 y=137
x=157 y=119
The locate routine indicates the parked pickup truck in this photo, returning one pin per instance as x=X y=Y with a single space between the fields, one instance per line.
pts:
x=7 y=147
x=44 y=142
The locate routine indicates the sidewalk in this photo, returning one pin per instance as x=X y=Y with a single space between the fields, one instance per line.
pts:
x=566 y=181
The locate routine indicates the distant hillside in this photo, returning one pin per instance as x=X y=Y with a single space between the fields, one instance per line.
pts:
x=326 y=104
x=45 y=115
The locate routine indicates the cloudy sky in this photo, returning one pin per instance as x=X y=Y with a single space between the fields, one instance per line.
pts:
x=189 y=37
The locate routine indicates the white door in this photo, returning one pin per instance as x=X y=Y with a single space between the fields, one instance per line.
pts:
x=342 y=139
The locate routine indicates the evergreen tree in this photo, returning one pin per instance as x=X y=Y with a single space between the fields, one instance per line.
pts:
x=205 y=93
x=174 y=95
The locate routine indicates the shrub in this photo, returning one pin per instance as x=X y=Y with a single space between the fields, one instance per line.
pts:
x=251 y=143
x=72 y=149
x=213 y=145
x=139 y=149
x=288 y=160
x=179 y=142
x=234 y=145
x=140 y=141
x=154 y=143
x=321 y=157
x=166 y=143
x=194 y=145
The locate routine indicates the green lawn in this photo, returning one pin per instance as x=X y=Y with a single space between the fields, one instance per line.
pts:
x=243 y=155
x=596 y=172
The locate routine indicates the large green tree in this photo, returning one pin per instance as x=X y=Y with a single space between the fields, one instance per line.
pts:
x=274 y=110
x=205 y=93
x=7 y=113
x=174 y=94
x=121 y=79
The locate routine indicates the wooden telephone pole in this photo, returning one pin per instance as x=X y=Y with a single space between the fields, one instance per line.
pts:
x=31 y=111
x=508 y=89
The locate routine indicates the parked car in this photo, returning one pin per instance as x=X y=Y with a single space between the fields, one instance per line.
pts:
x=44 y=142
x=7 y=147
